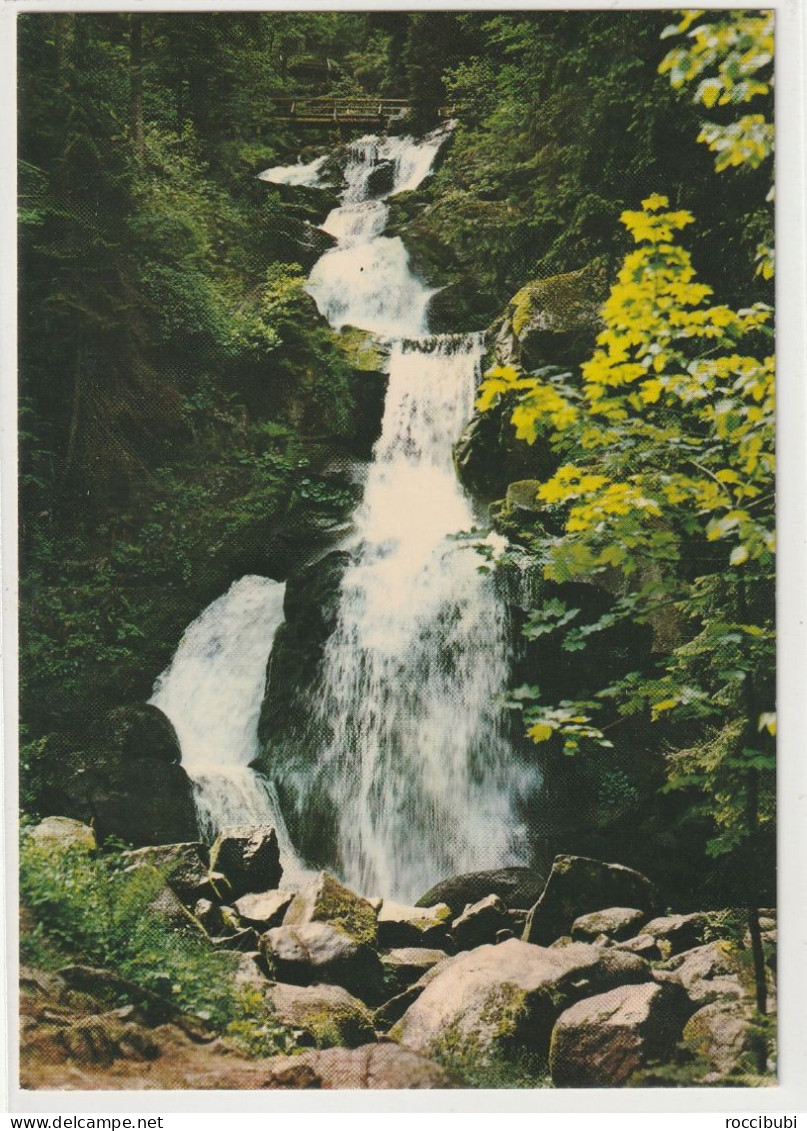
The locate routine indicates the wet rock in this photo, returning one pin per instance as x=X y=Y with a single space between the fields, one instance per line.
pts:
x=406 y=965
x=263 y=910
x=381 y=178
x=488 y=457
x=578 y=885
x=676 y=933
x=508 y=996
x=249 y=857
x=59 y=834
x=325 y=900
x=321 y=952
x=327 y=1015
x=402 y=926
x=480 y=923
x=616 y=922
x=140 y=730
x=602 y=1041
x=516 y=887
x=378 y=1066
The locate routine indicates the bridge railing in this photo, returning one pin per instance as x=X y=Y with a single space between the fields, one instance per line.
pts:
x=319 y=109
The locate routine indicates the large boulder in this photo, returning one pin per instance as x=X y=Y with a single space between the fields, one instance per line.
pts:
x=142 y=801
x=249 y=856
x=321 y=952
x=677 y=933
x=481 y=923
x=553 y=320
x=496 y=998
x=140 y=730
x=516 y=887
x=616 y=922
x=577 y=885
x=325 y=900
x=602 y=1041
x=61 y=834
x=326 y=1015
x=400 y=925
x=378 y=1066
x=721 y=1035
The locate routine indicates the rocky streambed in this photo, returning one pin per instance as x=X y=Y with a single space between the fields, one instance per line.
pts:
x=594 y=983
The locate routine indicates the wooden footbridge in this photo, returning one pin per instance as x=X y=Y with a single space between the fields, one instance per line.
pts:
x=324 y=110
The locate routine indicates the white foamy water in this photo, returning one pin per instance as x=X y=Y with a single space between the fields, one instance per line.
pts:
x=423 y=780
x=298 y=174
x=212 y=693
x=406 y=743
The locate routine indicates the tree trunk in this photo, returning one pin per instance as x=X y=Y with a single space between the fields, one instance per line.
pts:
x=136 y=85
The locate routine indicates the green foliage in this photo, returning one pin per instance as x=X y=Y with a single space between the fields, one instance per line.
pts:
x=92 y=906
x=254 y=1031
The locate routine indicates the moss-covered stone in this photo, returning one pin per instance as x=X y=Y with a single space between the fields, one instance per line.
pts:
x=325 y=900
x=327 y=1015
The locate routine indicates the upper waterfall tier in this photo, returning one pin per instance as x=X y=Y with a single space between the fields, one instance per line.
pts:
x=366 y=280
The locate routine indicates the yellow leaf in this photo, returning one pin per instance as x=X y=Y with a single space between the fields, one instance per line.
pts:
x=540 y=732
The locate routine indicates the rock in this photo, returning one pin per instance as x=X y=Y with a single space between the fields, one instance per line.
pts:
x=615 y=922
x=676 y=933
x=399 y=925
x=394 y=1009
x=645 y=945
x=480 y=923
x=498 y=998
x=516 y=887
x=166 y=905
x=209 y=915
x=553 y=320
x=380 y=179
x=59 y=834
x=263 y=910
x=248 y=973
x=325 y=900
x=707 y=972
x=602 y=1041
x=460 y=306
x=721 y=1034
x=488 y=457
x=143 y=801
x=408 y=964
x=369 y=1067
x=140 y=730
x=249 y=857
x=578 y=885
x=183 y=866
x=327 y=1015
x=321 y=952
x=244 y=940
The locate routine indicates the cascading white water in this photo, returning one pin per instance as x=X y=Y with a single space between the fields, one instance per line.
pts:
x=424 y=782
x=422 y=778
x=212 y=692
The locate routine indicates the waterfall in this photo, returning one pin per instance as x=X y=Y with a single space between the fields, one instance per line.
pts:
x=422 y=778
x=212 y=693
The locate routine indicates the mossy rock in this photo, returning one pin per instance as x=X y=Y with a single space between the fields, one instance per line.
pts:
x=554 y=320
x=325 y=900
x=328 y=1016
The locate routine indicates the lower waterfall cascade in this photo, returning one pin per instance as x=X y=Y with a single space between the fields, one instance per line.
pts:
x=414 y=755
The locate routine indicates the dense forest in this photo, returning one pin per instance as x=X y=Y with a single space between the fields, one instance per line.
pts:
x=601 y=211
